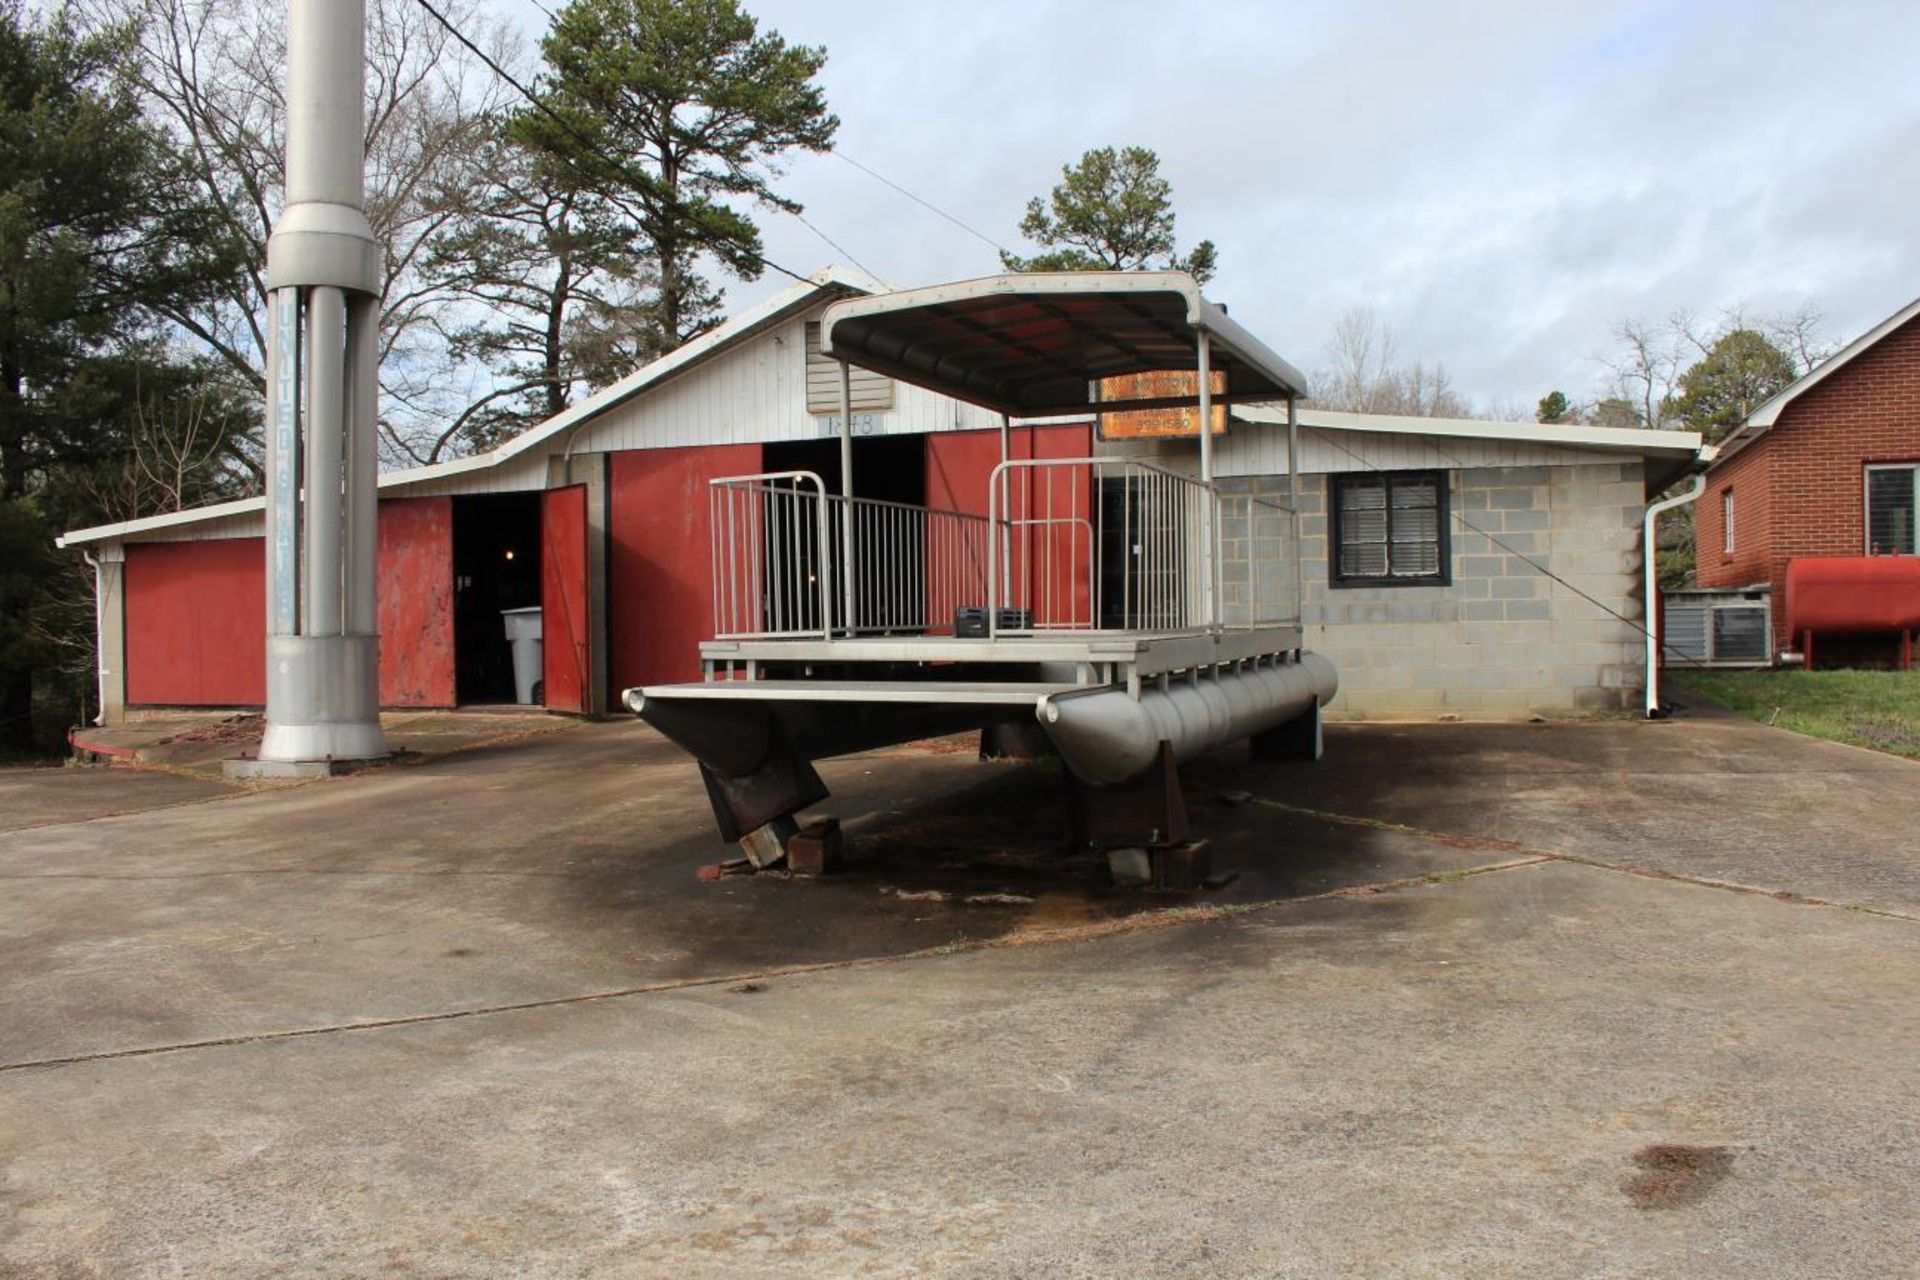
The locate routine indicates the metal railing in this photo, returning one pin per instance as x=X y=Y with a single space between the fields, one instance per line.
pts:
x=1099 y=544
x=773 y=556
x=791 y=560
x=1259 y=562
x=1068 y=544
x=912 y=567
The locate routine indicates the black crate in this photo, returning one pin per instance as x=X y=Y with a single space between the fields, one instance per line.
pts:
x=970 y=620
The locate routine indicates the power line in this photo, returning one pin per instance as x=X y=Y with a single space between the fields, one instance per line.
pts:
x=585 y=142
x=831 y=242
x=925 y=204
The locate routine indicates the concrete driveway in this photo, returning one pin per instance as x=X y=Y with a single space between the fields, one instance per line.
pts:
x=1569 y=1000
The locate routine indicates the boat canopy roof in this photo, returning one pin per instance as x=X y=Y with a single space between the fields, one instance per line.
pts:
x=1038 y=344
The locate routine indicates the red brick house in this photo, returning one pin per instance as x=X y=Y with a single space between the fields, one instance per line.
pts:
x=1828 y=467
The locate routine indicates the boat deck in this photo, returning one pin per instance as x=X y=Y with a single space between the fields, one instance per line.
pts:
x=1105 y=656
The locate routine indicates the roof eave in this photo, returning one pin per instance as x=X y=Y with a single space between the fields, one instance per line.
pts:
x=1619 y=439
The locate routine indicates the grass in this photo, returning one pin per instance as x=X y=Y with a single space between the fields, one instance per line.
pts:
x=1878 y=709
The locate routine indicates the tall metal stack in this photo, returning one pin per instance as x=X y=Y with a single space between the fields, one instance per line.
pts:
x=323 y=297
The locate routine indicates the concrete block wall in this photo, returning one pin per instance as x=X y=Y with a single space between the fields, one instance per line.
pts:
x=1502 y=640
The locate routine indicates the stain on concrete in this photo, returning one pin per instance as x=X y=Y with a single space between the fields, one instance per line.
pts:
x=1674 y=1175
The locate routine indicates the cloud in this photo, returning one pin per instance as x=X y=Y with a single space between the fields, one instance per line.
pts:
x=1501 y=180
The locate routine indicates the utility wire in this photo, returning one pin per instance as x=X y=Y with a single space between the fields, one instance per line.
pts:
x=925 y=204
x=586 y=143
x=831 y=242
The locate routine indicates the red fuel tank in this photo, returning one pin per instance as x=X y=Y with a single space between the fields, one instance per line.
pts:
x=1831 y=594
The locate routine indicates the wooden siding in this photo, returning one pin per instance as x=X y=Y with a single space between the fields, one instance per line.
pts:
x=756 y=394
x=523 y=474
x=249 y=525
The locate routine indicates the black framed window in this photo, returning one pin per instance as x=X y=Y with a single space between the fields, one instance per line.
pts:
x=1390 y=529
x=1893 y=498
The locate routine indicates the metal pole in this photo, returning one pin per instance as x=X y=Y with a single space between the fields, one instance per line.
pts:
x=323 y=279
x=1293 y=505
x=326 y=457
x=283 y=462
x=846 y=492
x=1209 y=552
x=363 y=467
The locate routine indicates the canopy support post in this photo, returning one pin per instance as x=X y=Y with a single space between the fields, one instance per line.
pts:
x=1293 y=509
x=846 y=494
x=1209 y=525
x=1006 y=552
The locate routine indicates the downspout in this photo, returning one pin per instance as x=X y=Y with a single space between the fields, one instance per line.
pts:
x=1652 y=627
x=99 y=638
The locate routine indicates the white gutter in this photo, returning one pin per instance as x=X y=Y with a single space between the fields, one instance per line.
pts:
x=1652 y=627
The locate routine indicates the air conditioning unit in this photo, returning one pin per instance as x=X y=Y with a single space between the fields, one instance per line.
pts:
x=1716 y=627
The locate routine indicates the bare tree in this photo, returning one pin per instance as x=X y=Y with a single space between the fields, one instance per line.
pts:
x=1801 y=333
x=211 y=72
x=1651 y=360
x=1647 y=364
x=1366 y=376
x=178 y=454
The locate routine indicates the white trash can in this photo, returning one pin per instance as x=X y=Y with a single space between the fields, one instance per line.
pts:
x=524 y=634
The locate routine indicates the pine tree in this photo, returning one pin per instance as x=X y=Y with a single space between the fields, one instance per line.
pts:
x=1112 y=211
x=673 y=111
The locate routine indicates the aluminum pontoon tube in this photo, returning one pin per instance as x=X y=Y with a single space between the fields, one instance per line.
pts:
x=1107 y=737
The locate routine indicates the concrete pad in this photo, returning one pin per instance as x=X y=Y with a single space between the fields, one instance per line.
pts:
x=1718 y=798
x=43 y=797
x=1442 y=1081
x=476 y=1016
x=548 y=867
x=205 y=742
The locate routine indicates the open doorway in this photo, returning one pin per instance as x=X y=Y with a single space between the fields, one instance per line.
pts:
x=889 y=544
x=496 y=567
x=888 y=468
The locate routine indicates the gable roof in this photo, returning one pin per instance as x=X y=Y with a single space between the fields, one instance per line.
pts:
x=1762 y=419
x=823 y=286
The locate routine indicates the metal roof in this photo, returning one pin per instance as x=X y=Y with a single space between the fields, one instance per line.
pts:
x=1636 y=440
x=788 y=302
x=1033 y=344
x=1668 y=454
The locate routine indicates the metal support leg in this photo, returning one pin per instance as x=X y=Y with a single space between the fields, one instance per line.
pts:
x=1150 y=810
x=782 y=784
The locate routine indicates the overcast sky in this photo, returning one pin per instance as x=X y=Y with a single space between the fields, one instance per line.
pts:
x=1501 y=181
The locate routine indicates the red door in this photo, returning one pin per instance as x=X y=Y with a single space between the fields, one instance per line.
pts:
x=1052 y=562
x=563 y=596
